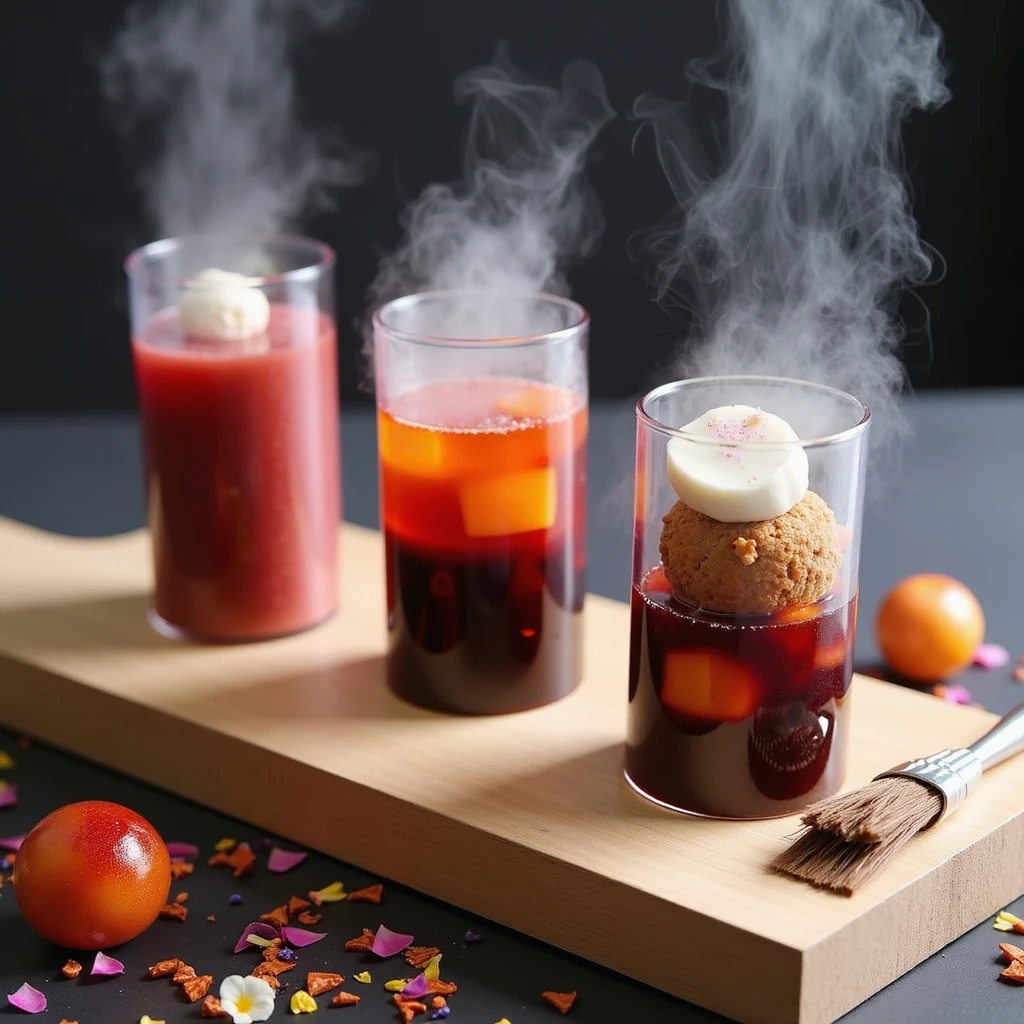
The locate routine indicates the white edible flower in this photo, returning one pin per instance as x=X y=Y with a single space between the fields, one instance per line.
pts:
x=246 y=999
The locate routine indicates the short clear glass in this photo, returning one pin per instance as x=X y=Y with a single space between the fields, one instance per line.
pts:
x=238 y=395
x=741 y=654
x=482 y=445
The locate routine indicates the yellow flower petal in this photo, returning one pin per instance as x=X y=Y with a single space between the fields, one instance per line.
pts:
x=146 y=1019
x=1003 y=926
x=6 y=761
x=1005 y=915
x=223 y=845
x=504 y=1020
x=433 y=968
x=302 y=1002
x=363 y=976
x=258 y=940
x=333 y=893
x=396 y=984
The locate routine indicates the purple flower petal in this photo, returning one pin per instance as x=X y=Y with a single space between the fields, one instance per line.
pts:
x=281 y=861
x=416 y=988
x=473 y=937
x=991 y=656
x=183 y=851
x=300 y=936
x=264 y=931
x=9 y=798
x=12 y=843
x=388 y=943
x=104 y=964
x=27 y=998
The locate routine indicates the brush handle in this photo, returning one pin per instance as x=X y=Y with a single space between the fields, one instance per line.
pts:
x=1003 y=740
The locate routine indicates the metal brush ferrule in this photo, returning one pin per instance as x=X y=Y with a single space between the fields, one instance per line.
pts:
x=953 y=774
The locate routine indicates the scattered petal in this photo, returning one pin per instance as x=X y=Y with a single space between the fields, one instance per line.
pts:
x=301 y=937
x=235 y=899
x=146 y=1019
x=281 y=861
x=212 y=918
x=440 y=1012
x=258 y=940
x=278 y=917
x=396 y=984
x=387 y=943
x=561 y=1001
x=309 y=919
x=263 y=842
x=333 y=893
x=371 y=894
x=173 y=912
x=296 y=905
x=1010 y=919
x=986 y=656
x=954 y=694
x=9 y=798
x=1011 y=952
x=473 y=937
x=361 y=945
x=287 y=955
x=420 y=956
x=72 y=969
x=1015 y=972
x=6 y=864
x=264 y=931
x=240 y=860
x=504 y=1020
x=165 y=968
x=319 y=982
x=182 y=897
x=246 y=999
x=225 y=845
x=180 y=868
x=212 y=1008
x=302 y=1002
x=363 y=977
x=432 y=972
x=6 y=761
x=27 y=998
x=104 y=964
x=12 y=843
x=182 y=851
x=1003 y=926
x=416 y=989
x=345 y=999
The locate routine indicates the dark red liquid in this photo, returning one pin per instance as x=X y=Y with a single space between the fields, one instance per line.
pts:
x=242 y=476
x=483 y=487
x=733 y=716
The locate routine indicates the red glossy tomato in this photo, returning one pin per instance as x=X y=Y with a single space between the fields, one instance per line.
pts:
x=92 y=875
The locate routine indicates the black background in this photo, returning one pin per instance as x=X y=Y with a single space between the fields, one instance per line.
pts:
x=71 y=209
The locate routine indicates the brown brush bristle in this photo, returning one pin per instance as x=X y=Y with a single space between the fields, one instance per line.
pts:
x=848 y=839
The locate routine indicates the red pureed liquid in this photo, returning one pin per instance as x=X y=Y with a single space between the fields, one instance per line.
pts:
x=737 y=716
x=242 y=475
x=483 y=491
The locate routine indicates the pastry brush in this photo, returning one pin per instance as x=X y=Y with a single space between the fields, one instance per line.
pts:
x=849 y=838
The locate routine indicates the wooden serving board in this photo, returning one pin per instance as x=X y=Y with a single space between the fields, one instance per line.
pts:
x=524 y=819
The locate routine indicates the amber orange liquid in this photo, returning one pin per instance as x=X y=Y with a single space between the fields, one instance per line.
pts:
x=483 y=494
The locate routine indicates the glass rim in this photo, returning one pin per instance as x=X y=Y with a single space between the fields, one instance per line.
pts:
x=135 y=263
x=580 y=322
x=837 y=437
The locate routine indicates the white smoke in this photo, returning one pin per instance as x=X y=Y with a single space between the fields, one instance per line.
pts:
x=211 y=80
x=795 y=249
x=522 y=212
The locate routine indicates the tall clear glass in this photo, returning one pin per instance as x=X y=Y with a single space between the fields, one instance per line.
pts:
x=235 y=355
x=482 y=446
x=741 y=646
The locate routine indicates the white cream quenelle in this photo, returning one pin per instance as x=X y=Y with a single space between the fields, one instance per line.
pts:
x=221 y=305
x=754 y=472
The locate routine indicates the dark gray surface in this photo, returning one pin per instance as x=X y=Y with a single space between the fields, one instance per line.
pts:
x=954 y=507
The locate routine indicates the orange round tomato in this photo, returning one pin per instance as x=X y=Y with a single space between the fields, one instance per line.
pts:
x=92 y=875
x=929 y=626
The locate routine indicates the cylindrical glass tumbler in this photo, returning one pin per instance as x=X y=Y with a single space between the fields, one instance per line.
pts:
x=482 y=445
x=235 y=356
x=742 y=633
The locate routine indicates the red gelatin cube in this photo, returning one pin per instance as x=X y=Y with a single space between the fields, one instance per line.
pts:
x=708 y=685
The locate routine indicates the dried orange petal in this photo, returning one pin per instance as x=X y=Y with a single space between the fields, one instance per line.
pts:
x=180 y=868
x=371 y=894
x=1011 y=952
x=441 y=988
x=241 y=859
x=319 y=982
x=561 y=1001
x=296 y=905
x=182 y=897
x=72 y=969
x=212 y=1008
x=308 y=918
x=173 y=912
x=278 y=917
x=164 y=968
x=345 y=999
x=184 y=973
x=1015 y=972
x=363 y=944
x=420 y=956
x=196 y=988
x=438 y=1001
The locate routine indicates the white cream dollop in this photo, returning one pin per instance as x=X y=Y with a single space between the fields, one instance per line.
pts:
x=758 y=470
x=222 y=305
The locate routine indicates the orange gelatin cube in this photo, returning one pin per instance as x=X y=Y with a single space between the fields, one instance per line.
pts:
x=495 y=506
x=797 y=613
x=831 y=656
x=656 y=582
x=706 y=684
x=537 y=403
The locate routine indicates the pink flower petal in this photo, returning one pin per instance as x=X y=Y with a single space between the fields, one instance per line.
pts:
x=957 y=694
x=300 y=937
x=991 y=656
x=9 y=798
x=12 y=843
x=281 y=861
x=27 y=998
x=104 y=964
x=388 y=943
x=183 y=851
x=416 y=988
x=265 y=931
